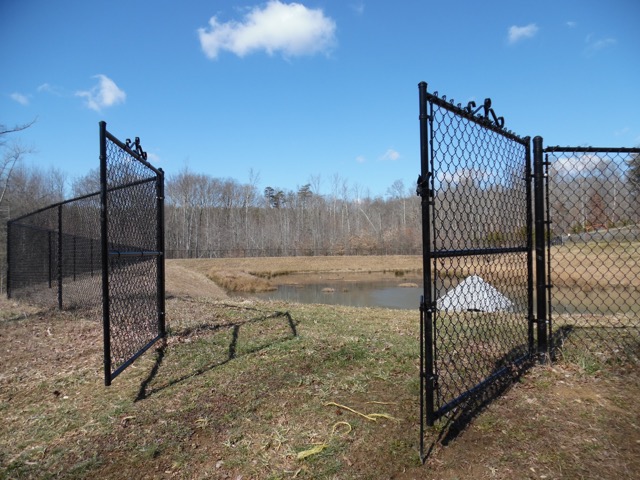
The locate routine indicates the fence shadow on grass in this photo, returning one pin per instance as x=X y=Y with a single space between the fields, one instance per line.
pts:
x=503 y=378
x=232 y=351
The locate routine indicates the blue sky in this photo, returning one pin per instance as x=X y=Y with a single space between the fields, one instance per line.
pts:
x=311 y=89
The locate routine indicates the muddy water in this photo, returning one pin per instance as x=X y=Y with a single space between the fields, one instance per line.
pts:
x=364 y=290
x=385 y=291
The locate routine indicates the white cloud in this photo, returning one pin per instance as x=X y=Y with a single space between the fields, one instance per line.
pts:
x=390 y=154
x=45 y=87
x=575 y=165
x=571 y=24
x=358 y=7
x=360 y=159
x=20 y=98
x=105 y=94
x=463 y=175
x=153 y=158
x=595 y=45
x=520 y=33
x=292 y=29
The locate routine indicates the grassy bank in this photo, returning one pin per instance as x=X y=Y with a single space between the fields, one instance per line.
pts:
x=267 y=390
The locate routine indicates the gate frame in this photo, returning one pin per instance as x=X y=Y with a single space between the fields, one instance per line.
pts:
x=424 y=189
x=141 y=157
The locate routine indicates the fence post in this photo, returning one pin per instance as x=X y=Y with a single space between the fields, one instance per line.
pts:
x=104 y=244
x=8 y=259
x=60 y=257
x=540 y=247
x=427 y=382
x=529 y=233
x=160 y=249
x=50 y=258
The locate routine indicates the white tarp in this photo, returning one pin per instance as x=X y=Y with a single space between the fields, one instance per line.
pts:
x=475 y=295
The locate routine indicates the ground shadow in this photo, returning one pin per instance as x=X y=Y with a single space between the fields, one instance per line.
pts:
x=504 y=375
x=145 y=391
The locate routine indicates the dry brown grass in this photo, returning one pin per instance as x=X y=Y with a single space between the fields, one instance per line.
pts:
x=239 y=281
x=269 y=267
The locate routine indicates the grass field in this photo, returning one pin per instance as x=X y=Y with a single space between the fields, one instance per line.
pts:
x=271 y=390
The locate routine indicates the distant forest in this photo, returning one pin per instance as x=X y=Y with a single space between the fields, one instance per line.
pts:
x=216 y=217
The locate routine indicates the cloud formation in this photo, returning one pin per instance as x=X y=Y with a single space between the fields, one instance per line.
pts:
x=20 y=98
x=595 y=45
x=292 y=29
x=390 y=154
x=520 y=33
x=105 y=94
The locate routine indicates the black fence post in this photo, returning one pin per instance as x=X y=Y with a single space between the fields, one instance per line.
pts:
x=160 y=249
x=427 y=383
x=60 y=257
x=74 y=257
x=530 y=243
x=8 y=259
x=540 y=247
x=104 y=244
x=50 y=258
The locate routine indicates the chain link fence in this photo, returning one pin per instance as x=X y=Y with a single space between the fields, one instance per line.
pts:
x=477 y=211
x=594 y=251
x=54 y=254
x=101 y=251
x=526 y=254
x=133 y=283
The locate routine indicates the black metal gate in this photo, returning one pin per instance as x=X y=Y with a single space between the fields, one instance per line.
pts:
x=103 y=249
x=477 y=309
x=132 y=250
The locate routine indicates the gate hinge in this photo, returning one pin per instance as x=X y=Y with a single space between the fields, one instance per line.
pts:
x=431 y=378
x=422 y=187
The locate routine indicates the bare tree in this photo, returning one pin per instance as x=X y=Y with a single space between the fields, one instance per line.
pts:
x=11 y=151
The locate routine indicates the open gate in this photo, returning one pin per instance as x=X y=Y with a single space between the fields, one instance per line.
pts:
x=132 y=250
x=477 y=309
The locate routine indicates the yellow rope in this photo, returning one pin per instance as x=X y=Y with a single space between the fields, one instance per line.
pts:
x=369 y=416
x=373 y=417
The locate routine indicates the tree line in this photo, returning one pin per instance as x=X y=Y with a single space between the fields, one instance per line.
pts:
x=206 y=216
x=213 y=217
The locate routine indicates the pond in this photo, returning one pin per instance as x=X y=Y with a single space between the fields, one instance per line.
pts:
x=382 y=292
x=378 y=293
x=385 y=291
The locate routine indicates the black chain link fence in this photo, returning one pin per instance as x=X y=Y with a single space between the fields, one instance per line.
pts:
x=54 y=254
x=594 y=251
x=103 y=250
x=527 y=254
x=476 y=196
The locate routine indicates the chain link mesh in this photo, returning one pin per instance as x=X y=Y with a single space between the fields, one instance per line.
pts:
x=133 y=229
x=52 y=265
x=55 y=255
x=594 y=250
x=479 y=252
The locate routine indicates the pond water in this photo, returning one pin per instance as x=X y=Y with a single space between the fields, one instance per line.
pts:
x=382 y=293
x=387 y=293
